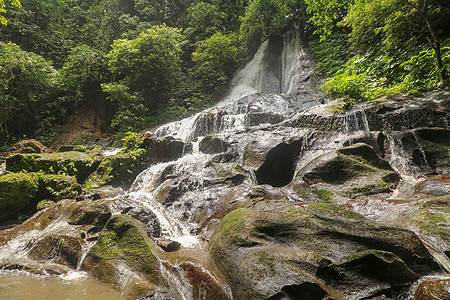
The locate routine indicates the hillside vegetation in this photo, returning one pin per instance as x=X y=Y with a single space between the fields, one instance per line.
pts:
x=158 y=60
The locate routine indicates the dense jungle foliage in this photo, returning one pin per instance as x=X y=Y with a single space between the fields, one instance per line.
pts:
x=161 y=60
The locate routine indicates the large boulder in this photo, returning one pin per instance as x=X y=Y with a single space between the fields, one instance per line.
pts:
x=72 y=163
x=309 y=252
x=21 y=192
x=349 y=172
x=396 y=113
x=16 y=194
x=212 y=144
x=60 y=233
x=162 y=149
x=124 y=253
x=118 y=170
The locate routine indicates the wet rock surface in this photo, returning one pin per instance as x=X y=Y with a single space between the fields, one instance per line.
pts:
x=124 y=251
x=168 y=245
x=316 y=248
x=433 y=289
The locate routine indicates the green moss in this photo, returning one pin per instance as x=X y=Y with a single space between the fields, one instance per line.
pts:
x=433 y=222
x=334 y=211
x=71 y=163
x=225 y=171
x=20 y=192
x=301 y=189
x=57 y=187
x=323 y=194
x=134 y=145
x=44 y=203
x=264 y=265
x=119 y=169
x=17 y=191
x=231 y=225
x=125 y=239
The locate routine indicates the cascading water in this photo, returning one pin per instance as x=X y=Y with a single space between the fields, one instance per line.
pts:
x=276 y=83
x=186 y=194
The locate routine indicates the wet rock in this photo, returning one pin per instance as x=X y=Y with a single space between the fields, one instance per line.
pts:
x=225 y=157
x=44 y=204
x=369 y=268
x=255 y=153
x=203 y=284
x=233 y=173
x=172 y=189
x=145 y=216
x=124 y=253
x=433 y=290
x=436 y=185
x=168 y=245
x=212 y=144
x=431 y=221
x=435 y=144
x=162 y=149
x=139 y=290
x=261 y=253
x=207 y=122
x=90 y=213
x=256 y=118
x=62 y=249
x=350 y=171
x=396 y=113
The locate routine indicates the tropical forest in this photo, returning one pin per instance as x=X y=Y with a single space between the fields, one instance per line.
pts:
x=225 y=149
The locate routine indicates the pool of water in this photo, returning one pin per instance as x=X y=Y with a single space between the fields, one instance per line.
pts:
x=21 y=285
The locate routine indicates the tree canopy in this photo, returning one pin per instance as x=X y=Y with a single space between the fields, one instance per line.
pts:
x=162 y=60
x=3 y=20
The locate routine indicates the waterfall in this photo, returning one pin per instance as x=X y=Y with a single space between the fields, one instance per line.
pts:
x=188 y=196
x=295 y=66
x=407 y=155
x=277 y=81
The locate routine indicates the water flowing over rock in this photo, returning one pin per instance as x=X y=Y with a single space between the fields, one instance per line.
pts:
x=271 y=194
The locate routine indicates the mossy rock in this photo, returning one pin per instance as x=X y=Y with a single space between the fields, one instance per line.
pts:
x=124 y=252
x=348 y=172
x=118 y=170
x=265 y=253
x=17 y=192
x=72 y=163
x=434 y=222
x=20 y=192
x=44 y=204
x=436 y=146
x=57 y=187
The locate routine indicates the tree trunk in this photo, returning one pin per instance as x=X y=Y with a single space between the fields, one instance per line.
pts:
x=433 y=41
x=436 y=45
